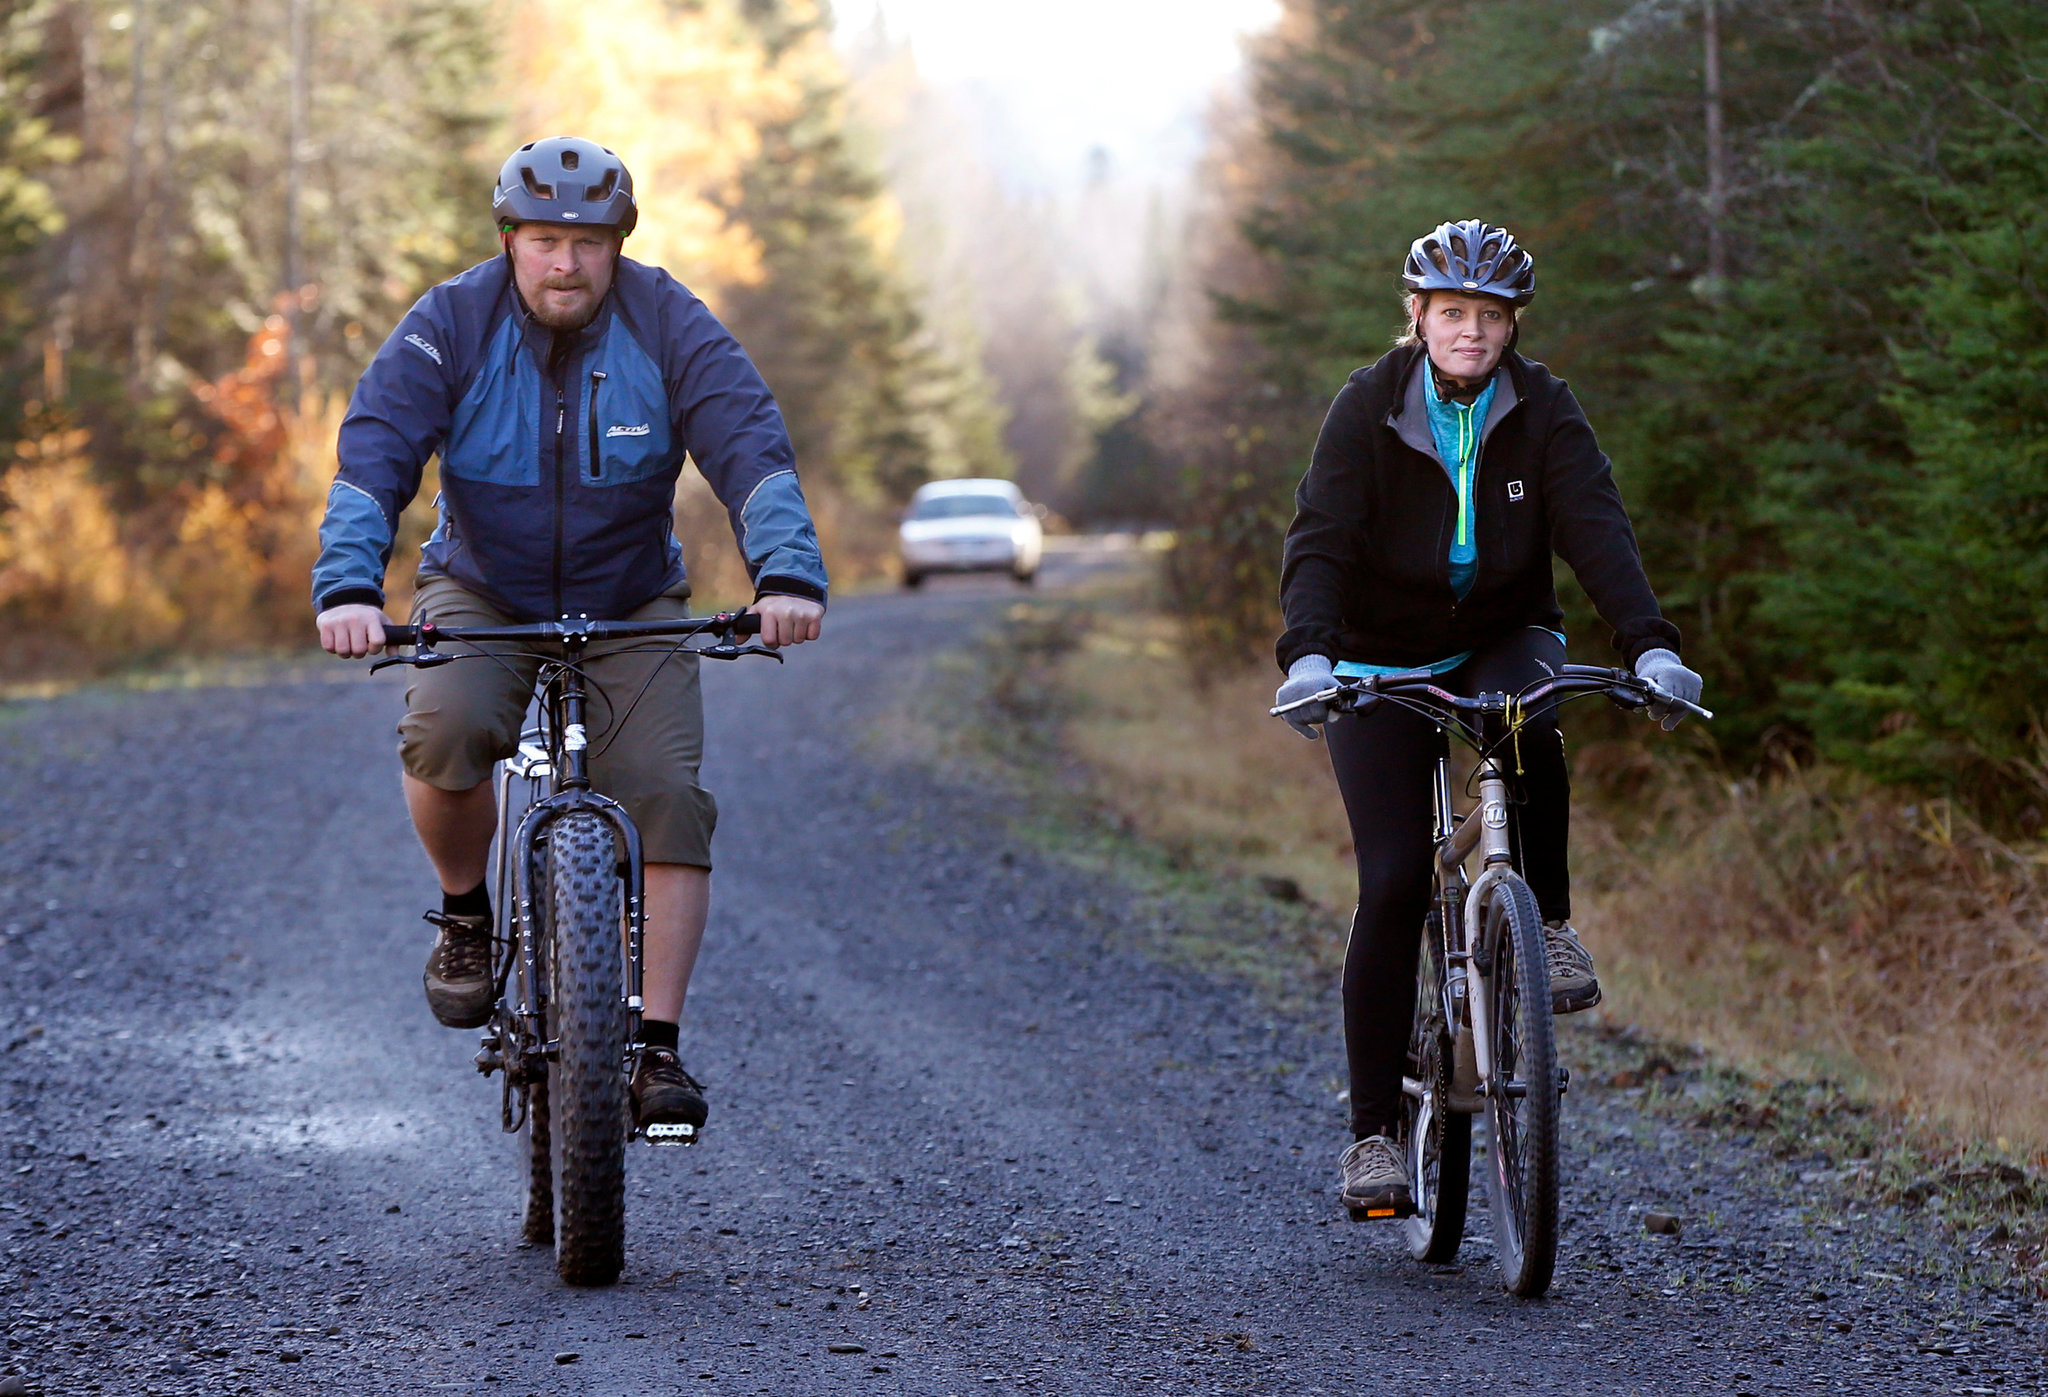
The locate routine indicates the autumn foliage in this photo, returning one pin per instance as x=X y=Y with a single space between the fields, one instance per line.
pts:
x=191 y=302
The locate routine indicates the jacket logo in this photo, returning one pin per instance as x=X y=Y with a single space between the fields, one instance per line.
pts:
x=640 y=431
x=1514 y=489
x=423 y=347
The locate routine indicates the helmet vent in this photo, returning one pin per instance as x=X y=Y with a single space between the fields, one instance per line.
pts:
x=570 y=159
x=533 y=185
x=603 y=189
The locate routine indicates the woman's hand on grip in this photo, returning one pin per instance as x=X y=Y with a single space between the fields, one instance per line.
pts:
x=1662 y=670
x=1306 y=677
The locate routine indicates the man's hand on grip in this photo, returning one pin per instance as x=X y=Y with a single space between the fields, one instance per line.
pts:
x=351 y=631
x=788 y=620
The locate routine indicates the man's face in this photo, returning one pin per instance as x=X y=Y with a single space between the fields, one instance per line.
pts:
x=562 y=272
x=1466 y=334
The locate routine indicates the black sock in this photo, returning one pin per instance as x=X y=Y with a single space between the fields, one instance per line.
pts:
x=655 y=1033
x=474 y=903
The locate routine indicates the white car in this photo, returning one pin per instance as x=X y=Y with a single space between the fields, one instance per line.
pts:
x=970 y=526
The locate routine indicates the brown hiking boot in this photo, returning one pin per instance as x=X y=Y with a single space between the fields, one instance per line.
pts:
x=666 y=1098
x=458 y=978
x=1574 y=984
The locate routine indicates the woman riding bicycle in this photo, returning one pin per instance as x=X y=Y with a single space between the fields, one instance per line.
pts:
x=1445 y=477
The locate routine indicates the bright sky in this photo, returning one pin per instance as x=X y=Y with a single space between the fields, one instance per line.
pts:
x=1059 y=77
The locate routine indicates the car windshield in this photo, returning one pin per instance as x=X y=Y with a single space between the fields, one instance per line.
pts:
x=962 y=507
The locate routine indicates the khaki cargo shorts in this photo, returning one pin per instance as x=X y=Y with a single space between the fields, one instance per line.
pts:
x=461 y=718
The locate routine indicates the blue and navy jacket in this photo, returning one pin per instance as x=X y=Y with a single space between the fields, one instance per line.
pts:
x=560 y=452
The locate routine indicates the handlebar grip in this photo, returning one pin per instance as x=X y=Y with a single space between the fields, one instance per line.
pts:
x=747 y=623
x=395 y=634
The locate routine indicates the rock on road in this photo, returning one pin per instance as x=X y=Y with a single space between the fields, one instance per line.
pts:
x=963 y=1138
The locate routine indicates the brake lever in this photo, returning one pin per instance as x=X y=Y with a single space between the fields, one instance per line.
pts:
x=1705 y=714
x=418 y=661
x=1328 y=695
x=729 y=651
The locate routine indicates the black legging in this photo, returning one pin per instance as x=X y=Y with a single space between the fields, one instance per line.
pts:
x=1385 y=763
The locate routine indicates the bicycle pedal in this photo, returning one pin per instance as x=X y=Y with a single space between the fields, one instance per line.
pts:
x=670 y=1133
x=1381 y=1213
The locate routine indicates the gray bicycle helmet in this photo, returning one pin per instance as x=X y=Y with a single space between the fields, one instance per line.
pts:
x=1472 y=256
x=565 y=179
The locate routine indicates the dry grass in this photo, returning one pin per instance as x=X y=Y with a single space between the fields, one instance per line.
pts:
x=1806 y=925
x=1813 y=923
x=1203 y=773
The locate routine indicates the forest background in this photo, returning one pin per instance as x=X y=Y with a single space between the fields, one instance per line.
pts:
x=1793 y=257
x=213 y=211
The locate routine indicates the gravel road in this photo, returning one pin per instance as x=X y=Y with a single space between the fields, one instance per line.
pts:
x=964 y=1137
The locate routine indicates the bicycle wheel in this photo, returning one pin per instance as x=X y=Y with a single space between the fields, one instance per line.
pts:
x=586 y=1087
x=1439 y=1140
x=1522 y=1102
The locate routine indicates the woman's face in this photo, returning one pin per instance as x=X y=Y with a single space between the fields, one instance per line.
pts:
x=1466 y=335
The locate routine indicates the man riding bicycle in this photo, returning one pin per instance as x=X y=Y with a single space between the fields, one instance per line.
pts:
x=562 y=386
x=1445 y=478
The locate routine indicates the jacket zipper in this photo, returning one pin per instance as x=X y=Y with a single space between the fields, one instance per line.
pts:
x=561 y=409
x=596 y=377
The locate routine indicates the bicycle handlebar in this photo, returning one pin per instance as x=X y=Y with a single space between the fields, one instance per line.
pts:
x=725 y=623
x=1572 y=681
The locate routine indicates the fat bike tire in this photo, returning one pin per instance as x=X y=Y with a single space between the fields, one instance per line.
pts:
x=1439 y=1140
x=1524 y=1104
x=586 y=1086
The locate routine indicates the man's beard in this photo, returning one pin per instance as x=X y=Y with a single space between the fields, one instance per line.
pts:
x=574 y=319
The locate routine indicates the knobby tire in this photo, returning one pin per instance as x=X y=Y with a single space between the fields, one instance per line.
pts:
x=1522 y=1133
x=586 y=1082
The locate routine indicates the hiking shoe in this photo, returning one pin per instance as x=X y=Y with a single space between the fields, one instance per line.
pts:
x=458 y=978
x=1376 y=1181
x=664 y=1094
x=1574 y=984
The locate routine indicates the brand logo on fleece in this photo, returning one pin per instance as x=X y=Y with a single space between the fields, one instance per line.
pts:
x=1514 y=489
x=423 y=347
x=640 y=431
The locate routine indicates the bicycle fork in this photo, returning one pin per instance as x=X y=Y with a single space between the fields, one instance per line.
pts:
x=1486 y=830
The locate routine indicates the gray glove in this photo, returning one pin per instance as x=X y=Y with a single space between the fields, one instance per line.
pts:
x=1311 y=674
x=1661 y=670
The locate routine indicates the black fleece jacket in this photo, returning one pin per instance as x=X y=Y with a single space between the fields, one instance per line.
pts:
x=1366 y=571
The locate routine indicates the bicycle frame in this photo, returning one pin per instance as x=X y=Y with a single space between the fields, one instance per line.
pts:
x=1457 y=837
x=1482 y=1042
x=562 y=765
x=556 y=757
x=1487 y=723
